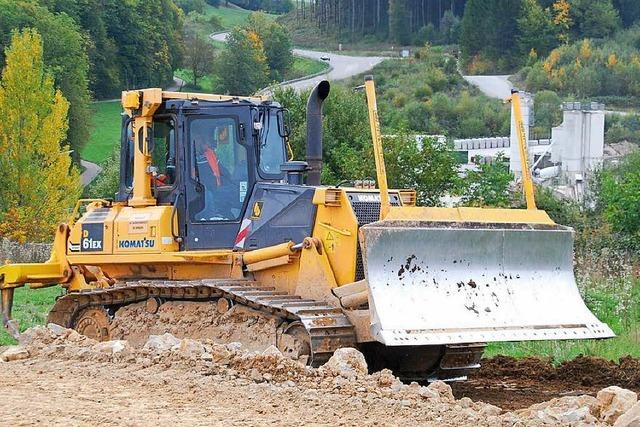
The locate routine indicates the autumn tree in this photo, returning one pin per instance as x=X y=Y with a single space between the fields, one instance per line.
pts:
x=277 y=44
x=39 y=183
x=242 y=65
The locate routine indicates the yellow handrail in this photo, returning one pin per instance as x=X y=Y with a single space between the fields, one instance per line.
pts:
x=385 y=204
x=527 y=181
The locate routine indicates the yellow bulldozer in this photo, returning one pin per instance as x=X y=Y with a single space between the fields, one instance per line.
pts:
x=210 y=210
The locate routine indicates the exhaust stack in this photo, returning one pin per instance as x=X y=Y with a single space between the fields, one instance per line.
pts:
x=314 y=131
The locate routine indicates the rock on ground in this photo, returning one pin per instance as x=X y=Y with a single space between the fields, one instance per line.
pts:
x=615 y=401
x=161 y=343
x=631 y=418
x=565 y=410
x=14 y=353
x=347 y=362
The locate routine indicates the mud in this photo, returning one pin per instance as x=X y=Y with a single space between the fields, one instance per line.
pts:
x=197 y=320
x=517 y=383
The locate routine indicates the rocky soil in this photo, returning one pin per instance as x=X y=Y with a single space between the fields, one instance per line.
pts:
x=57 y=376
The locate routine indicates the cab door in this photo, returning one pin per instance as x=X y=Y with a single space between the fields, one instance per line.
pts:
x=220 y=176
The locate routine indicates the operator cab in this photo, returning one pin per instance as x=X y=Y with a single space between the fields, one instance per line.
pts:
x=206 y=157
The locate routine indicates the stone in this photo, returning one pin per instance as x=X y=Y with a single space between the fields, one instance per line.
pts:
x=347 y=362
x=631 y=418
x=189 y=348
x=564 y=410
x=614 y=401
x=272 y=350
x=465 y=402
x=14 y=353
x=489 y=410
x=161 y=343
x=207 y=357
x=443 y=390
x=111 y=347
x=256 y=376
x=56 y=329
x=37 y=333
x=427 y=393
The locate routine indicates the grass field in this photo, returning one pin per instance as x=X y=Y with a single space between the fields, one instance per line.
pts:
x=615 y=302
x=30 y=308
x=305 y=67
x=228 y=17
x=105 y=133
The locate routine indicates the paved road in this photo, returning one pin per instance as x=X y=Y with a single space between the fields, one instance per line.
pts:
x=492 y=86
x=91 y=171
x=343 y=66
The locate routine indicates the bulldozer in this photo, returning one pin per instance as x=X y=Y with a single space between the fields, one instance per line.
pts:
x=212 y=210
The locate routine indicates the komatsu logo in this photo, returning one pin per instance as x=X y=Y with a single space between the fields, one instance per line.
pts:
x=141 y=243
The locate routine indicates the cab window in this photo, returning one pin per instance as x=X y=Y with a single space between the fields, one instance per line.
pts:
x=163 y=155
x=272 y=154
x=220 y=169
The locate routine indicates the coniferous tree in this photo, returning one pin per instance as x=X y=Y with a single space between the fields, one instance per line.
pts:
x=399 y=22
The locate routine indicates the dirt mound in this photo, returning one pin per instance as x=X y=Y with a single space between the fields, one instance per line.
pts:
x=595 y=372
x=517 y=383
x=581 y=371
x=197 y=320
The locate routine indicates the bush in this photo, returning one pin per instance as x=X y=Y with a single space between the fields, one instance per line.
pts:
x=620 y=196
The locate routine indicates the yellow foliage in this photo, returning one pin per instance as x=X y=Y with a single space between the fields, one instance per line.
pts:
x=533 y=55
x=562 y=19
x=478 y=65
x=585 y=49
x=256 y=41
x=551 y=61
x=39 y=183
x=578 y=63
x=612 y=61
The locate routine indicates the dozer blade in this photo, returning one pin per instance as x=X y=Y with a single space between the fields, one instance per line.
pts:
x=439 y=282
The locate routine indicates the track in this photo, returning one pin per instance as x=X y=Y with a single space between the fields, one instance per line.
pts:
x=307 y=328
x=254 y=315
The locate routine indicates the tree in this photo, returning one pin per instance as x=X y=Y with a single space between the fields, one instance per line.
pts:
x=594 y=18
x=489 y=184
x=199 y=57
x=39 y=183
x=429 y=166
x=536 y=29
x=620 y=195
x=276 y=41
x=488 y=31
x=242 y=65
x=64 y=56
x=547 y=109
x=562 y=19
x=191 y=5
x=399 y=29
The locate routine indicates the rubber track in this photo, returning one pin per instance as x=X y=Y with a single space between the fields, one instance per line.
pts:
x=328 y=328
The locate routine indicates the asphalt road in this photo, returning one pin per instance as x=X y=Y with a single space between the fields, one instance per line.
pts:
x=492 y=86
x=343 y=66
